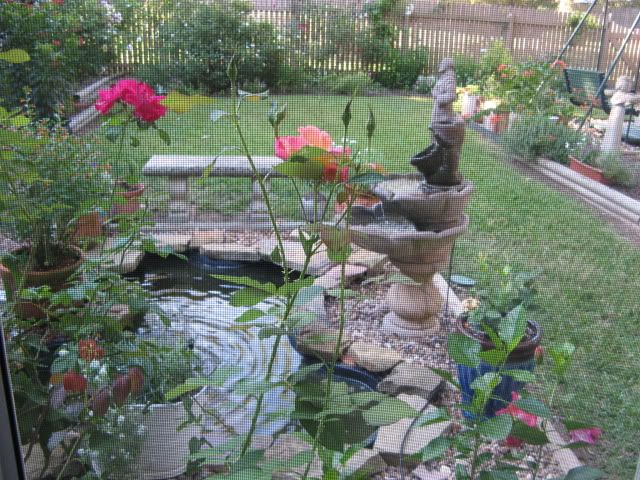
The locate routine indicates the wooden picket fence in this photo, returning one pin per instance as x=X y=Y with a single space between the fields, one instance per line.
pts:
x=321 y=34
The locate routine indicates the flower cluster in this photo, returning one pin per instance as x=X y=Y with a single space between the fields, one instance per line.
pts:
x=332 y=159
x=146 y=104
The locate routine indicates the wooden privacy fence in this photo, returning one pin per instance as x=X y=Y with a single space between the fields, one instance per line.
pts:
x=326 y=35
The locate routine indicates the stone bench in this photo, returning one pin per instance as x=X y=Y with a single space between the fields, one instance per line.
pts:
x=179 y=168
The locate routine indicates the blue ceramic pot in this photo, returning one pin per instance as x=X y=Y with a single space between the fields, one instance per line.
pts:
x=522 y=358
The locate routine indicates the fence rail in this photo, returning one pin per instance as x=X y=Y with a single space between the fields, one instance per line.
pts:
x=326 y=33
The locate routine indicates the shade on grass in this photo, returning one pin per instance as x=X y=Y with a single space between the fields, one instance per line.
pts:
x=590 y=276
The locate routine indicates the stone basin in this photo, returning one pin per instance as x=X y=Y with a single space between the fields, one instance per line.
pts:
x=435 y=211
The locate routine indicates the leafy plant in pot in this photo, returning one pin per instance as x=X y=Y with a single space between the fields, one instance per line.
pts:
x=48 y=179
x=487 y=330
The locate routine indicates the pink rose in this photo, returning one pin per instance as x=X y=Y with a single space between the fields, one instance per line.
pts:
x=316 y=137
x=149 y=109
x=586 y=435
x=106 y=100
x=287 y=146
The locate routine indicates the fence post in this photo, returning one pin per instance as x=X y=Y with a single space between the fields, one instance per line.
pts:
x=509 y=39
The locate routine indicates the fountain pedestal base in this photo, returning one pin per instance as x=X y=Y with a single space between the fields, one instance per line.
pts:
x=414 y=309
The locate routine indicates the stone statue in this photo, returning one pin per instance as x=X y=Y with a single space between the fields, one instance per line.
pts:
x=439 y=161
x=620 y=99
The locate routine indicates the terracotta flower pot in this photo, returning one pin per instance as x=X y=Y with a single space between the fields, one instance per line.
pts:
x=88 y=226
x=588 y=171
x=55 y=278
x=131 y=200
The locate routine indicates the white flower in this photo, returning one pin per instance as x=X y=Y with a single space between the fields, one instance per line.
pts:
x=121 y=436
x=103 y=371
x=141 y=430
x=120 y=419
x=94 y=364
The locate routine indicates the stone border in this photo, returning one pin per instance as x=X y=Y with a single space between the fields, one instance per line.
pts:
x=80 y=122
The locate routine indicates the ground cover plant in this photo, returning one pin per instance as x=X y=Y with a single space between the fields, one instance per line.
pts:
x=588 y=273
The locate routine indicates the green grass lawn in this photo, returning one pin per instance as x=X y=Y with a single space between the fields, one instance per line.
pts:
x=590 y=276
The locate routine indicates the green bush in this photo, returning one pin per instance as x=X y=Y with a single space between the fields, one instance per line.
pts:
x=496 y=55
x=204 y=37
x=401 y=69
x=467 y=70
x=615 y=171
x=294 y=79
x=346 y=84
x=533 y=136
x=67 y=43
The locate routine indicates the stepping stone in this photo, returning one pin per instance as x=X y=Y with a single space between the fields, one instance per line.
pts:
x=331 y=279
x=199 y=239
x=374 y=262
x=412 y=380
x=372 y=357
x=126 y=263
x=295 y=255
x=389 y=439
x=364 y=464
x=177 y=242
x=319 y=341
x=231 y=251
x=284 y=449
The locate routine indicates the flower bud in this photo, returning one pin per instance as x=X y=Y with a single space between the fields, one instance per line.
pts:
x=120 y=389
x=136 y=381
x=100 y=402
x=73 y=382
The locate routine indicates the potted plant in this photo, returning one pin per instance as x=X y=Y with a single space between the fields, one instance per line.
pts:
x=128 y=200
x=47 y=180
x=583 y=159
x=499 y=309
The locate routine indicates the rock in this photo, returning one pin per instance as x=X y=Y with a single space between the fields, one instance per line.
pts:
x=199 y=239
x=331 y=279
x=127 y=262
x=373 y=261
x=412 y=380
x=295 y=256
x=317 y=307
x=390 y=437
x=364 y=464
x=319 y=341
x=372 y=357
x=177 y=242
x=231 y=251
x=423 y=473
x=284 y=449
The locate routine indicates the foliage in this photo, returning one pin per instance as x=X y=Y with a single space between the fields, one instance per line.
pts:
x=467 y=69
x=294 y=79
x=533 y=136
x=401 y=69
x=47 y=180
x=591 y=22
x=530 y=87
x=202 y=37
x=526 y=420
x=67 y=41
x=424 y=84
x=377 y=40
x=615 y=171
x=346 y=84
x=497 y=54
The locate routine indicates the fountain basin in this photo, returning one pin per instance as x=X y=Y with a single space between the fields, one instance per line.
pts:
x=436 y=211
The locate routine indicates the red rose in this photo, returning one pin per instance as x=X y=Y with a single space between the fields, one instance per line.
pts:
x=73 y=382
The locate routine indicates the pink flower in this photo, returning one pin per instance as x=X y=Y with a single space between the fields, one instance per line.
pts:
x=316 y=137
x=513 y=442
x=107 y=99
x=518 y=414
x=287 y=146
x=149 y=109
x=146 y=104
x=586 y=435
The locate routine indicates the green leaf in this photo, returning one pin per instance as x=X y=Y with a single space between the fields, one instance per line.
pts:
x=217 y=379
x=64 y=364
x=584 y=473
x=311 y=170
x=276 y=257
x=464 y=350
x=180 y=103
x=520 y=375
x=431 y=417
x=494 y=357
x=512 y=328
x=164 y=136
x=249 y=315
x=389 y=411
x=561 y=355
x=497 y=475
x=529 y=435
x=435 y=449
x=496 y=428
x=534 y=406
x=291 y=288
x=267 y=287
x=447 y=376
x=15 y=55
x=575 y=425
x=367 y=178
x=346 y=114
x=308 y=294
x=371 y=124
x=308 y=153
x=486 y=383
x=248 y=297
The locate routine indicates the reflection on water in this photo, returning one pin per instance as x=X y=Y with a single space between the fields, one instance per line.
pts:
x=198 y=306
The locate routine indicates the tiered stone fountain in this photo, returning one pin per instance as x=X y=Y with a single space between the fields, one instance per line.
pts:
x=422 y=218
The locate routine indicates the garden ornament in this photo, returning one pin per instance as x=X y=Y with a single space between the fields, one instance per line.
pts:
x=621 y=97
x=439 y=161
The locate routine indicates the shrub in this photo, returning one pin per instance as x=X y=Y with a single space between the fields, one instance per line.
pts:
x=496 y=55
x=467 y=69
x=533 y=136
x=401 y=69
x=67 y=43
x=205 y=36
x=346 y=84
x=614 y=170
x=424 y=84
x=294 y=79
